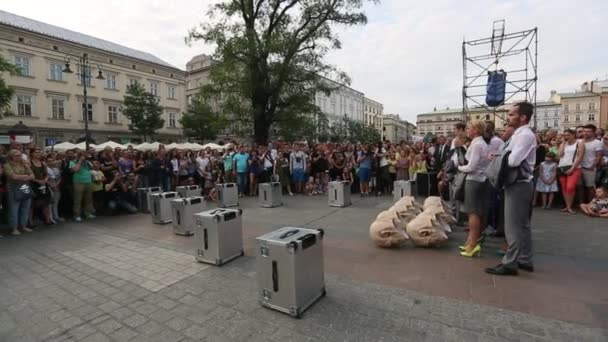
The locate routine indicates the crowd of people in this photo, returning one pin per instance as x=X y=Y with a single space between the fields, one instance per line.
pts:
x=52 y=186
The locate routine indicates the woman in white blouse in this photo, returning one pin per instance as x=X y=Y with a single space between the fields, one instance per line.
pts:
x=476 y=188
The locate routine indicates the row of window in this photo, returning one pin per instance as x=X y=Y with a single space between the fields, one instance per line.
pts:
x=56 y=74
x=591 y=106
x=25 y=108
x=578 y=117
x=372 y=109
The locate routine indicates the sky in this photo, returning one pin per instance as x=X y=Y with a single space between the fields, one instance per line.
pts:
x=408 y=57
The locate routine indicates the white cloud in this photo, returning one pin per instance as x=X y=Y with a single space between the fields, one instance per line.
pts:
x=408 y=56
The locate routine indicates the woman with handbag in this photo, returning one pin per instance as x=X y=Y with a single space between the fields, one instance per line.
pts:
x=18 y=178
x=42 y=195
x=476 y=187
x=571 y=154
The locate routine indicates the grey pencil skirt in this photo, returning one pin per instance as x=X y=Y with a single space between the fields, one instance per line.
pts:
x=476 y=197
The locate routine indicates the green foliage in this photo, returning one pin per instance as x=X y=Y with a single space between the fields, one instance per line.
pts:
x=271 y=54
x=144 y=111
x=201 y=122
x=6 y=92
x=360 y=132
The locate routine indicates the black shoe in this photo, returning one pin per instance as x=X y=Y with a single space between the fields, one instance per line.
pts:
x=502 y=270
x=525 y=267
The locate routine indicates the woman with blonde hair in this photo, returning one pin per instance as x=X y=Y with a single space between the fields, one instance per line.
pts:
x=18 y=178
x=476 y=186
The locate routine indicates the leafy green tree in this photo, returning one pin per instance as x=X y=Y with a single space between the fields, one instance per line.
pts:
x=144 y=111
x=201 y=122
x=6 y=92
x=271 y=54
x=360 y=132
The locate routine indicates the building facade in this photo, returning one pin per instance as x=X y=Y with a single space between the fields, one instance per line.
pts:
x=580 y=107
x=343 y=102
x=438 y=122
x=396 y=130
x=51 y=102
x=372 y=113
x=548 y=116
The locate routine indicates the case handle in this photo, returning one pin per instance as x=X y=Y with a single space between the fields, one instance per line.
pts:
x=289 y=233
x=205 y=239
x=275 y=277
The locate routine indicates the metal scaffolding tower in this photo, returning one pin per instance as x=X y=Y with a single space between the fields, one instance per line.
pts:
x=515 y=53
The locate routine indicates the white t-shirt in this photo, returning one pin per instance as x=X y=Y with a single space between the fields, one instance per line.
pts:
x=383 y=160
x=591 y=149
x=202 y=163
x=496 y=145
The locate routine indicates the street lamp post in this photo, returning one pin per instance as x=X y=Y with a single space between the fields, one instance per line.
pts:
x=85 y=76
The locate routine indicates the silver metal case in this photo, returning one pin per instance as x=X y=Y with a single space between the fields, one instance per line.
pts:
x=401 y=189
x=219 y=235
x=143 y=199
x=188 y=191
x=161 y=207
x=227 y=195
x=270 y=194
x=290 y=269
x=339 y=194
x=183 y=210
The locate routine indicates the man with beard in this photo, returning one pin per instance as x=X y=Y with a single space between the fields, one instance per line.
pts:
x=518 y=195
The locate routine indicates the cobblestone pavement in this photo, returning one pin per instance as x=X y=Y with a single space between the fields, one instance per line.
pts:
x=125 y=279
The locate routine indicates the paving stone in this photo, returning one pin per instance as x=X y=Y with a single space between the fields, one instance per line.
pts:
x=135 y=320
x=161 y=315
x=178 y=323
x=98 y=337
x=124 y=334
x=196 y=332
x=109 y=326
x=151 y=328
x=80 y=332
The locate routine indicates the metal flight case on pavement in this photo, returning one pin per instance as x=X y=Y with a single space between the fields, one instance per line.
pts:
x=271 y=194
x=290 y=269
x=183 y=210
x=219 y=235
x=188 y=191
x=143 y=200
x=401 y=189
x=161 y=207
x=227 y=195
x=339 y=194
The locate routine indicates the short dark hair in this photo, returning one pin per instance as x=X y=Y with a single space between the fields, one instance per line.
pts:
x=460 y=126
x=591 y=127
x=526 y=109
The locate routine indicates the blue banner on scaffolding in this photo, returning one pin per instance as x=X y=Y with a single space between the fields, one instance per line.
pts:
x=495 y=90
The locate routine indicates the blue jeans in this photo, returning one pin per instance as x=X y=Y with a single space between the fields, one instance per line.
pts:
x=18 y=211
x=241 y=181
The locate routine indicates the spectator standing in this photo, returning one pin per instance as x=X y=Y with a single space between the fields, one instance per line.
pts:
x=42 y=196
x=589 y=165
x=54 y=180
x=297 y=167
x=281 y=170
x=254 y=172
x=18 y=177
x=569 y=167
x=547 y=180
x=83 y=187
x=241 y=169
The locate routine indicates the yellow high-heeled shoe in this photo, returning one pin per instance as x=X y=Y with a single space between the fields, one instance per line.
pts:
x=473 y=253
x=462 y=248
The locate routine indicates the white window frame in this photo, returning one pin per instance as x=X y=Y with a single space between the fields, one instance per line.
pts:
x=566 y=108
x=24 y=63
x=25 y=105
x=172 y=122
x=89 y=111
x=110 y=82
x=555 y=123
x=577 y=118
x=133 y=81
x=112 y=113
x=154 y=88
x=591 y=117
x=578 y=107
x=171 y=92
x=58 y=108
x=566 y=118
x=592 y=106
x=56 y=72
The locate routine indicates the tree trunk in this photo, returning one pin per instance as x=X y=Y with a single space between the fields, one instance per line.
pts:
x=261 y=124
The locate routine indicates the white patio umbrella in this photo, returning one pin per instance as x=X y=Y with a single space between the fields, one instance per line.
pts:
x=195 y=147
x=62 y=147
x=82 y=146
x=110 y=144
x=213 y=146
x=172 y=146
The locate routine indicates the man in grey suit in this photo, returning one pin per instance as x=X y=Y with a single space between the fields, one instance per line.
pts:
x=518 y=195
